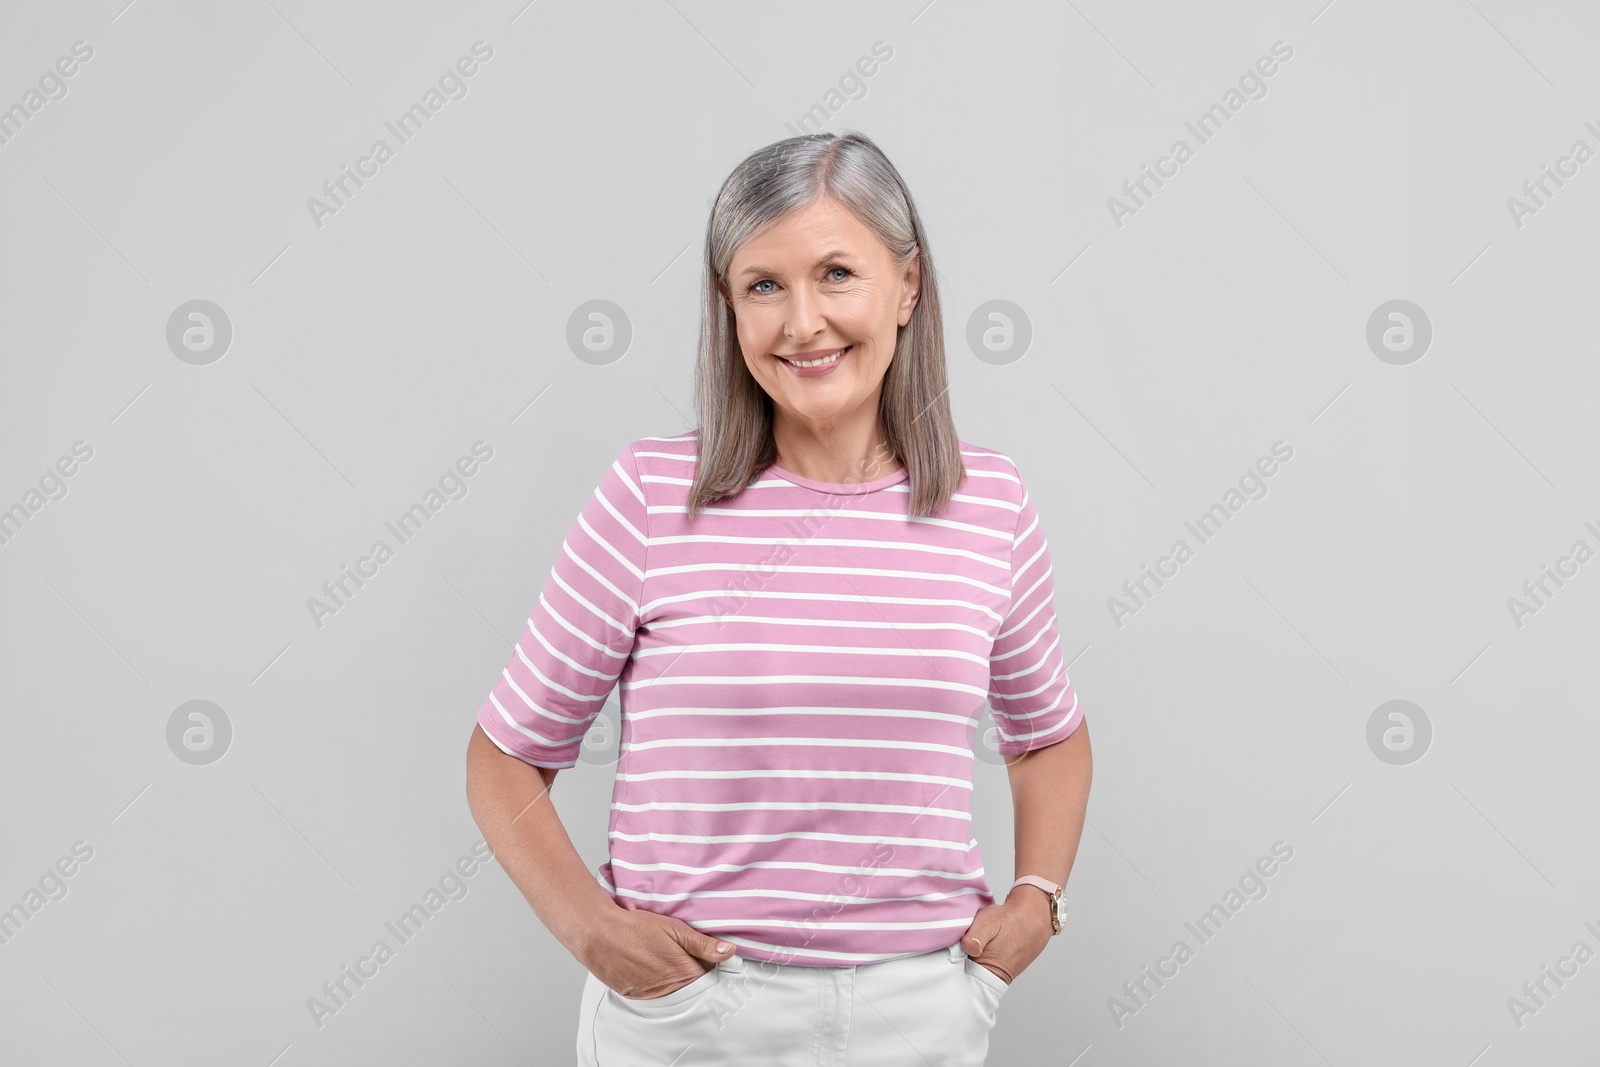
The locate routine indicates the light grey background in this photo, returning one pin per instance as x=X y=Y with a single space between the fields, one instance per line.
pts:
x=1167 y=354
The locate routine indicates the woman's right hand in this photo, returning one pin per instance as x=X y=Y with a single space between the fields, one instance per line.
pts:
x=643 y=955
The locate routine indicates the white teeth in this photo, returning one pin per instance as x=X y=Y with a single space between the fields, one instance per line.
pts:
x=816 y=362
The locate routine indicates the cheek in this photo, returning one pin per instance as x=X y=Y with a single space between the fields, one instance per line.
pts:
x=868 y=317
x=744 y=333
x=756 y=326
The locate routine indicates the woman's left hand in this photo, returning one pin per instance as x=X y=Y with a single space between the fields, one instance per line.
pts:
x=1007 y=937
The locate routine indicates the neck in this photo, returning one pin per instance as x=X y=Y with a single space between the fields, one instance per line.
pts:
x=843 y=456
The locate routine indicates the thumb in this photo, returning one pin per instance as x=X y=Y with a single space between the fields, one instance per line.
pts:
x=980 y=933
x=701 y=946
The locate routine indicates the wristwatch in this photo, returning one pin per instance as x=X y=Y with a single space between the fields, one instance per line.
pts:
x=1058 y=907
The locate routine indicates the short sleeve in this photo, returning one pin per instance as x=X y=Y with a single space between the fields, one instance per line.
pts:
x=580 y=633
x=1032 y=699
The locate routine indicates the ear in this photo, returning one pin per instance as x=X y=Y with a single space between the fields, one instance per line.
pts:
x=722 y=291
x=911 y=286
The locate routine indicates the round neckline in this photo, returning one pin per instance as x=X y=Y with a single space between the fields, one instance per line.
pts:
x=842 y=488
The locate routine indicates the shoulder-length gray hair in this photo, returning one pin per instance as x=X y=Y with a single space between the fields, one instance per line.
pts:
x=735 y=412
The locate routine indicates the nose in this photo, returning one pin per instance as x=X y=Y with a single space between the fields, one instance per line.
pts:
x=803 y=317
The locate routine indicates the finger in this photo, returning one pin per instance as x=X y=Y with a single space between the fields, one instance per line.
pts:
x=701 y=946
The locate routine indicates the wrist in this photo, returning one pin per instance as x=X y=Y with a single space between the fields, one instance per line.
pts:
x=1031 y=899
x=591 y=926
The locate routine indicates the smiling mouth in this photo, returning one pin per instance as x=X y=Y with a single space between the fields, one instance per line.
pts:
x=823 y=361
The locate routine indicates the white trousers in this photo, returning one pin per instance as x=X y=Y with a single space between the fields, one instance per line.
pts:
x=930 y=1010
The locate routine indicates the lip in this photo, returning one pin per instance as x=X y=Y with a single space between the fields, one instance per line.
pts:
x=815 y=372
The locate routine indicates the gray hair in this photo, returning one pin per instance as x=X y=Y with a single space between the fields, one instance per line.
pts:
x=735 y=412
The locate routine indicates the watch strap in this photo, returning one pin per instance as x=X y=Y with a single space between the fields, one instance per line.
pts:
x=1054 y=892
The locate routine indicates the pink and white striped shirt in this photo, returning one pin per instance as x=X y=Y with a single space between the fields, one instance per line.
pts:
x=803 y=673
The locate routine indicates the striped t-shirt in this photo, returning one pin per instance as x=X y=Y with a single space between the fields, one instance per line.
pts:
x=803 y=674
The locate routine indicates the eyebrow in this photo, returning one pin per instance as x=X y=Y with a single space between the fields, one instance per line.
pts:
x=837 y=253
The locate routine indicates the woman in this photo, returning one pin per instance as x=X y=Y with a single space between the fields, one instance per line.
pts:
x=806 y=601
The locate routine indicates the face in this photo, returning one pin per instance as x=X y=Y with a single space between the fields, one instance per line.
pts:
x=816 y=281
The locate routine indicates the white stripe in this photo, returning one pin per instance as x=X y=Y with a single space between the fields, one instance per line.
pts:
x=972 y=452
x=832 y=542
x=1058 y=674
x=835 y=924
x=1044 y=628
x=549 y=683
x=867 y=572
x=798 y=772
x=992 y=474
x=600 y=540
x=1045 y=602
x=795 y=835
x=806 y=679
x=621 y=628
x=777 y=620
x=1024 y=570
x=1028 y=715
x=842 y=650
x=577 y=632
x=1022 y=535
x=845 y=513
x=791 y=894
x=517 y=755
x=858 y=713
x=1040 y=733
x=800 y=865
x=1044 y=657
x=778 y=482
x=532 y=735
x=637 y=492
x=807 y=742
x=686 y=436
x=605 y=675
x=656 y=605
x=787 y=805
x=632 y=604
x=620 y=517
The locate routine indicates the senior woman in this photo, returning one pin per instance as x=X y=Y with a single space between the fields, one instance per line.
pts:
x=806 y=600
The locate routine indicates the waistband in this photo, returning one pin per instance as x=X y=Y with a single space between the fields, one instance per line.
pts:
x=736 y=963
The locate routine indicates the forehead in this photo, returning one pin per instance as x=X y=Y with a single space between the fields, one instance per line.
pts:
x=802 y=237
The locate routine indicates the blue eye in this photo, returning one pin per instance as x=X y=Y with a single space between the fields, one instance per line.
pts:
x=768 y=281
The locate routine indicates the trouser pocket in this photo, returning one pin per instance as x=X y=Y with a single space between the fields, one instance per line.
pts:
x=672 y=1000
x=987 y=977
x=628 y=1032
